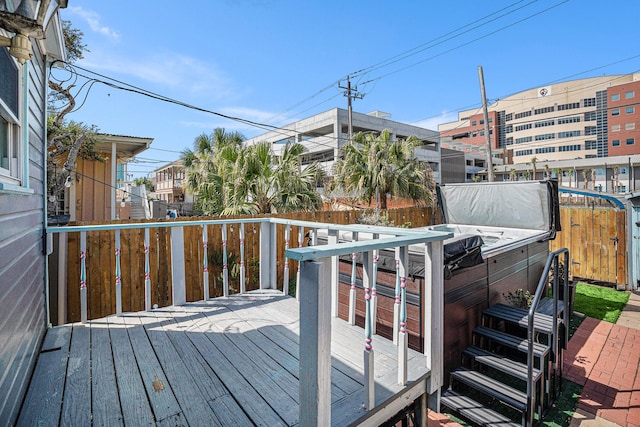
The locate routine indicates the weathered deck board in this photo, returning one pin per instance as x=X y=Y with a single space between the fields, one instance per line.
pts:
x=133 y=400
x=105 y=403
x=227 y=361
x=43 y=402
x=76 y=404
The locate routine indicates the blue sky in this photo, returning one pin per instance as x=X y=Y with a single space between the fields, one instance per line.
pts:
x=277 y=61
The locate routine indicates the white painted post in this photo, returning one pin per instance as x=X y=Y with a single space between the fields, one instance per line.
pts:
x=369 y=377
x=178 y=281
x=300 y=241
x=374 y=293
x=118 y=276
x=265 y=256
x=403 y=339
x=243 y=283
x=205 y=261
x=83 y=277
x=332 y=239
x=285 y=280
x=315 y=346
x=273 y=256
x=352 y=290
x=225 y=265
x=434 y=317
x=396 y=304
x=147 y=271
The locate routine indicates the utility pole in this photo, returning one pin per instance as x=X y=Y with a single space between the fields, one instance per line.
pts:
x=486 y=125
x=351 y=93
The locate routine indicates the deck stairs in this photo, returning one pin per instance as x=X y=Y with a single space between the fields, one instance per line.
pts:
x=507 y=378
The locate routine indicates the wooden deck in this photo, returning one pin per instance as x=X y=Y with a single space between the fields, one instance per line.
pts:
x=227 y=361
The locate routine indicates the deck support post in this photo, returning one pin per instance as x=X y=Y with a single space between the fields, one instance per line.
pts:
x=369 y=377
x=205 y=262
x=147 y=270
x=178 y=282
x=315 y=345
x=118 y=276
x=352 y=290
x=300 y=240
x=243 y=283
x=374 y=293
x=332 y=239
x=225 y=263
x=434 y=315
x=403 y=336
x=285 y=274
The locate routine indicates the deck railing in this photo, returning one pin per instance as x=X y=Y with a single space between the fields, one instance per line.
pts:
x=316 y=286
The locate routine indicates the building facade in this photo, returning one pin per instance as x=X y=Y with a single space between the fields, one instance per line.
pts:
x=324 y=134
x=578 y=119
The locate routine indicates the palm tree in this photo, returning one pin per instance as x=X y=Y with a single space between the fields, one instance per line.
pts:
x=377 y=166
x=584 y=178
x=547 y=172
x=513 y=175
x=558 y=173
x=259 y=182
x=534 y=160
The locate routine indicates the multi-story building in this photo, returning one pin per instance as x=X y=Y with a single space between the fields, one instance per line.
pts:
x=168 y=181
x=578 y=119
x=324 y=134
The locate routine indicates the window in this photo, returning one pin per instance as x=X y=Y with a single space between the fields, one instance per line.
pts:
x=524 y=139
x=545 y=136
x=523 y=114
x=508 y=117
x=569 y=106
x=590 y=130
x=630 y=141
x=615 y=97
x=590 y=145
x=590 y=116
x=615 y=128
x=615 y=112
x=565 y=120
x=545 y=123
x=615 y=143
x=589 y=102
x=10 y=153
x=569 y=134
x=630 y=110
x=629 y=126
x=523 y=127
x=490 y=120
x=481 y=122
x=473 y=123
x=573 y=147
x=544 y=110
x=545 y=150
x=630 y=94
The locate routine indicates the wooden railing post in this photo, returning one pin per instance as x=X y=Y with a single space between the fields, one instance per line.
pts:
x=374 y=293
x=352 y=290
x=369 y=377
x=243 y=283
x=268 y=245
x=178 y=282
x=315 y=346
x=118 y=276
x=285 y=274
x=434 y=319
x=147 y=272
x=83 y=277
x=332 y=239
x=205 y=262
x=225 y=265
x=403 y=338
x=300 y=240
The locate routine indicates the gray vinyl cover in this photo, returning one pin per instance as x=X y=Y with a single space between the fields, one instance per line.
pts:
x=513 y=204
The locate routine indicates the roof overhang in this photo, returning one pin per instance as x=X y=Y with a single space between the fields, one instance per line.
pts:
x=126 y=146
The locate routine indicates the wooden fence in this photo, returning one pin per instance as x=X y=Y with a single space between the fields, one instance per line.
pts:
x=101 y=260
x=597 y=242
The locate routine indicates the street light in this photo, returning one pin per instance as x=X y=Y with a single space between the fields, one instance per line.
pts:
x=25 y=18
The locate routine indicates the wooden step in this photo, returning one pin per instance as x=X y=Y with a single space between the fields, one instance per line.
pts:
x=541 y=322
x=474 y=411
x=503 y=364
x=520 y=344
x=493 y=388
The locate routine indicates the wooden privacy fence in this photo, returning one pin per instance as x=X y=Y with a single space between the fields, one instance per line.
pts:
x=100 y=260
x=597 y=241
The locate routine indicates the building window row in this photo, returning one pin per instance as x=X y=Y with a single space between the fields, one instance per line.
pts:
x=566 y=120
x=544 y=150
x=590 y=130
x=508 y=129
x=524 y=139
x=627 y=95
x=569 y=134
x=544 y=110
x=545 y=123
x=524 y=152
x=508 y=117
x=590 y=116
x=590 y=145
x=523 y=114
x=569 y=106
x=523 y=127
x=545 y=136
x=589 y=102
x=572 y=147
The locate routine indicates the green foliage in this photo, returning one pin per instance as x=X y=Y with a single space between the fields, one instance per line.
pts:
x=144 y=181
x=519 y=298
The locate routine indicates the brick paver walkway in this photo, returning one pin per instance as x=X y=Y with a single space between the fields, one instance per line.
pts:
x=605 y=359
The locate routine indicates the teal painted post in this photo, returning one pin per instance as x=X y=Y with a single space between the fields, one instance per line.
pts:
x=396 y=304
x=352 y=290
x=285 y=280
x=403 y=339
x=225 y=268
x=147 y=272
x=374 y=294
x=300 y=240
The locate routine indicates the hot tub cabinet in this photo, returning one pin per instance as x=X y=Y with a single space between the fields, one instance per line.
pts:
x=511 y=258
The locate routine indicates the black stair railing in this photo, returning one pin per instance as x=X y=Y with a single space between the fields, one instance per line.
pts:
x=553 y=261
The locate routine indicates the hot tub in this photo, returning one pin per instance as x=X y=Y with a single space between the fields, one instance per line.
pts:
x=510 y=222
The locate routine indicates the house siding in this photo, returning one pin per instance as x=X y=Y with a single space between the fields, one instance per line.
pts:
x=22 y=263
